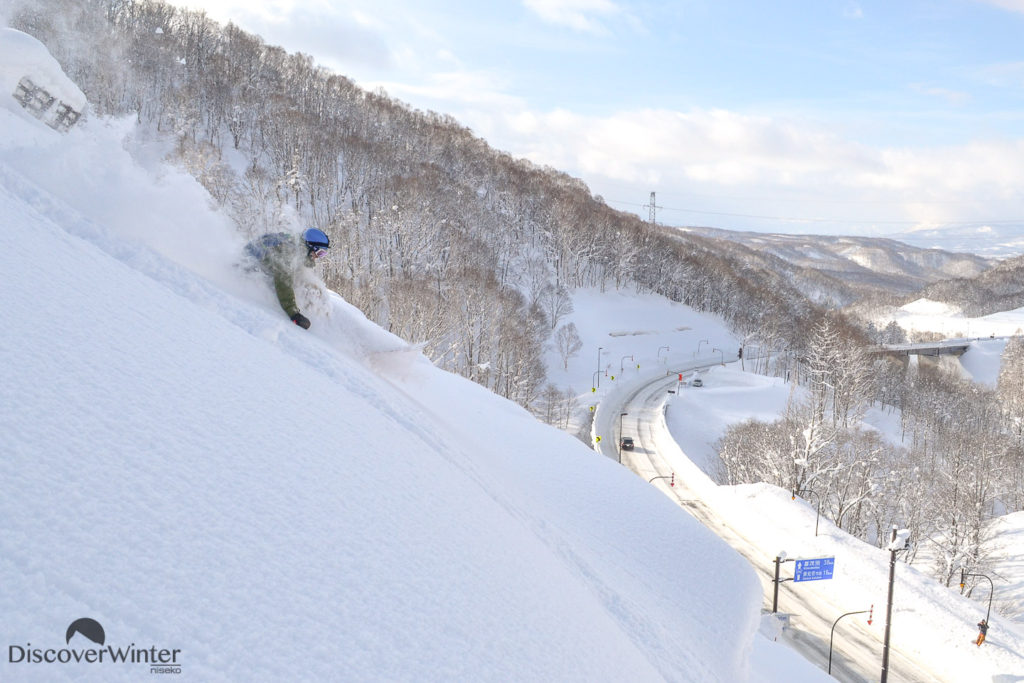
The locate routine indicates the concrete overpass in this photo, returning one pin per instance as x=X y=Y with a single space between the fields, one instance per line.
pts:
x=954 y=347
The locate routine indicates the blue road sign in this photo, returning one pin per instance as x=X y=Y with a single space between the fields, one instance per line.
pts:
x=814 y=570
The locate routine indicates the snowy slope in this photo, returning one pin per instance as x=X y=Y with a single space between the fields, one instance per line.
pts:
x=199 y=476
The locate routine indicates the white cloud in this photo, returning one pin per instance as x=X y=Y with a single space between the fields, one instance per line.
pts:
x=470 y=97
x=951 y=96
x=718 y=160
x=717 y=146
x=1004 y=75
x=579 y=15
x=336 y=37
x=270 y=11
x=1012 y=5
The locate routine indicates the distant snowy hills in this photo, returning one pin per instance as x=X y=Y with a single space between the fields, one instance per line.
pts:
x=1001 y=288
x=991 y=241
x=843 y=269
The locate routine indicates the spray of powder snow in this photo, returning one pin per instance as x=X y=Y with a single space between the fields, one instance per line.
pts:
x=134 y=194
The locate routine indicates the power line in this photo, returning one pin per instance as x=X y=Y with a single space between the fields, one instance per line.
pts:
x=790 y=219
x=1019 y=195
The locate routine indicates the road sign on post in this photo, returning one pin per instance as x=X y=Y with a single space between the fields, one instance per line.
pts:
x=814 y=570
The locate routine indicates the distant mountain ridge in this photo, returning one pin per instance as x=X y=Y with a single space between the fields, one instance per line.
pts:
x=844 y=269
x=990 y=241
x=1001 y=288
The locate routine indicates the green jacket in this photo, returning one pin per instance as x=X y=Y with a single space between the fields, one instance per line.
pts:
x=281 y=256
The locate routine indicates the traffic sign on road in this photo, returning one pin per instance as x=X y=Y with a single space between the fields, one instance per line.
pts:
x=814 y=570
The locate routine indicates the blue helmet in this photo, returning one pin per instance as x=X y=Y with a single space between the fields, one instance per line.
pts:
x=316 y=239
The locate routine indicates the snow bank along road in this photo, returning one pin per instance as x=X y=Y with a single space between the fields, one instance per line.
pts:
x=656 y=456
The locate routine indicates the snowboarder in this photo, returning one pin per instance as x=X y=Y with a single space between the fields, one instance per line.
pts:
x=982 y=632
x=282 y=255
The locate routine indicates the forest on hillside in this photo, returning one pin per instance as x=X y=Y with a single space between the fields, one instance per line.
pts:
x=440 y=238
x=958 y=465
x=1000 y=288
x=443 y=240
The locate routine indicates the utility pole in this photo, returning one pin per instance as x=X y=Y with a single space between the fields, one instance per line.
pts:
x=894 y=547
x=779 y=559
x=652 y=206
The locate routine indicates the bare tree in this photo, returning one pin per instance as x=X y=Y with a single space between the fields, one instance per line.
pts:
x=568 y=343
x=555 y=302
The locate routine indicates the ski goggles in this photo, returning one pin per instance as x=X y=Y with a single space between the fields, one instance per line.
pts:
x=317 y=252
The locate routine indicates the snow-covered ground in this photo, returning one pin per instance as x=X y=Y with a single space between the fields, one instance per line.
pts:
x=198 y=475
x=925 y=315
x=236 y=498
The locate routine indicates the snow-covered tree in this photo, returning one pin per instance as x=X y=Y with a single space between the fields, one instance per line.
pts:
x=568 y=343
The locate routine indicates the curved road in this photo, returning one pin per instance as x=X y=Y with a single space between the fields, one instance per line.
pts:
x=857 y=652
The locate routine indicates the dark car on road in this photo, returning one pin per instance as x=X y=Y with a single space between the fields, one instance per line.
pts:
x=626 y=443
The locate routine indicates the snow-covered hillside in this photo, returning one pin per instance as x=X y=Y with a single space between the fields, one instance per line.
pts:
x=235 y=498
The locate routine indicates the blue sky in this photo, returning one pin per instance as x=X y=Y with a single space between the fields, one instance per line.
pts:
x=827 y=116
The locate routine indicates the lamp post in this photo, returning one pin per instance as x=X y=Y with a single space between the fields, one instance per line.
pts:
x=817 y=515
x=595 y=381
x=599 y=349
x=992 y=589
x=893 y=549
x=666 y=352
x=622 y=361
x=721 y=352
x=702 y=341
x=864 y=611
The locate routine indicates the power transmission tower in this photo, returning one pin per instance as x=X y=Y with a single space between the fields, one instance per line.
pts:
x=652 y=206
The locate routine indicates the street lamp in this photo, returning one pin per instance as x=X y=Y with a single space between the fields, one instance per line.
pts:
x=702 y=341
x=595 y=381
x=895 y=546
x=866 y=611
x=992 y=589
x=599 y=348
x=817 y=515
x=721 y=352
x=666 y=352
x=621 y=361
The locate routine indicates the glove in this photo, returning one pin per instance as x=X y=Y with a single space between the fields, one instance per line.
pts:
x=301 y=320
